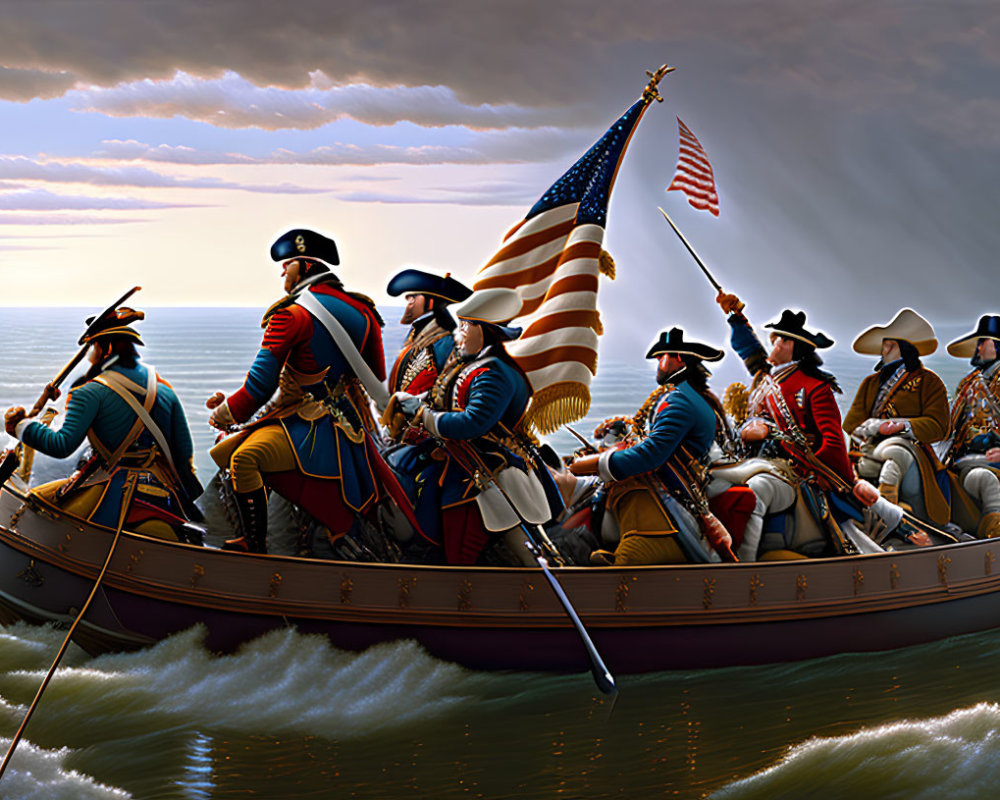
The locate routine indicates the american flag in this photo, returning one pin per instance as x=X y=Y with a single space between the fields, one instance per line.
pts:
x=553 y=259
x=694 y=175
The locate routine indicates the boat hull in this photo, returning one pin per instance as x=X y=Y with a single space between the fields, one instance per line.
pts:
x=641 y=619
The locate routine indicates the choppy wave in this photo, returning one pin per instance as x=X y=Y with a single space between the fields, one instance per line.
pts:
x=43 y=775
x=956 y=756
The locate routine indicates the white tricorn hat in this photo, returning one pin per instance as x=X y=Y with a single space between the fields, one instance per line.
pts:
x=494 y=306
x=907 y=326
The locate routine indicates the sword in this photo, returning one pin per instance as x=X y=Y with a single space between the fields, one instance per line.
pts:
x=695 y=256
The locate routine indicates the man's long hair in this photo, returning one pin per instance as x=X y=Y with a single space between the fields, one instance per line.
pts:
x=810 y=363
x=121 y=348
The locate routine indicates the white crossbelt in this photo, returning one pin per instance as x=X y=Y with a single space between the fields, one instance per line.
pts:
x=376 y=390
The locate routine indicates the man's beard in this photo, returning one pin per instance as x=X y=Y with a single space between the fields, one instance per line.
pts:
x=981 y=363
x=677 y=376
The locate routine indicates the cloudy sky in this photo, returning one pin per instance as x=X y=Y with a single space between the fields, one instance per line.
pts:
x=167 y=143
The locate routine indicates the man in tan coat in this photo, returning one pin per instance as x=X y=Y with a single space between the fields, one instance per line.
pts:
x=897 y=414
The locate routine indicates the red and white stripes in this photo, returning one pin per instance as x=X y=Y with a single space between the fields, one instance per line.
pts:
x=694 y=175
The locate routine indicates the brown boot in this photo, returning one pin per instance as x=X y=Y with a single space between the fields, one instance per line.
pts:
x=890 y=492
x=602 y=558
x=989 y=525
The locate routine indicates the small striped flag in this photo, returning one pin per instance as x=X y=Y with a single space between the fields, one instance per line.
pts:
x=553 y=258
x=694 y=175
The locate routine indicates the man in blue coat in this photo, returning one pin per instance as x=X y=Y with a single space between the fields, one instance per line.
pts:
x=474 y=414
x=681 y=423
x=312 y=443
x=140 y=472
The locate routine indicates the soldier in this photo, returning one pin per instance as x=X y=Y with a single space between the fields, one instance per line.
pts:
x=975 y=422
x=141 y=473
x=791 y=401
x=897 y=414
x=312 y=443
x=474 y=415
x=682 y=418
x=428 y=344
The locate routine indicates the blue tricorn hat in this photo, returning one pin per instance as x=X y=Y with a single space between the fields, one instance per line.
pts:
x=792 y=325
x=965 y=346
x=673 y=343
x=415 y=281
x=303 y=243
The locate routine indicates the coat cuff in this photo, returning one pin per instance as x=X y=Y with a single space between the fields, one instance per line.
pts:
x=429 y=421
x=604 y=465
x=20 y=428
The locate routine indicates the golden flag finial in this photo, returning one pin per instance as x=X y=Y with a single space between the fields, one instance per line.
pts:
x=651 y=93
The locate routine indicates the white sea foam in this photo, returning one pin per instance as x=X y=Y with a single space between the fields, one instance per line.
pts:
x=956 y=756
x=280 y=684
x=37 y=774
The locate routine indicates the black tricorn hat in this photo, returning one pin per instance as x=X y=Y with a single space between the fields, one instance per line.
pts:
x=792 y=324
x=113 y=324
x=303 y=243
x=415 y=281
x=965 y=346
x=673 y=342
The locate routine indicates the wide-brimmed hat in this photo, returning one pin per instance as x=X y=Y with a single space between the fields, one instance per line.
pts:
x=792 y=324
x=965 y=346
x=907 y=326
x=415 y=281
x=496 y=307
x=113 y=324
x=673 y=342
x=304 y=243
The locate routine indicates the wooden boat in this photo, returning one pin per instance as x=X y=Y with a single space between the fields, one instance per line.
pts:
x=641 y=618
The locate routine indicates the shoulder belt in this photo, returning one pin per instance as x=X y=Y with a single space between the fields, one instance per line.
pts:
x=347 y=348
x=121 y=385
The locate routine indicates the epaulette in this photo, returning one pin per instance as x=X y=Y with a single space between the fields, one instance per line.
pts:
x=274 y=308
x=366 y=300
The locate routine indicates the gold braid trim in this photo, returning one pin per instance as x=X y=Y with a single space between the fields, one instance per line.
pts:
x=557 y=405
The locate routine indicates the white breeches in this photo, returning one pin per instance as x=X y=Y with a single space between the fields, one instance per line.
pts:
x=984 y=487
x=773 y=495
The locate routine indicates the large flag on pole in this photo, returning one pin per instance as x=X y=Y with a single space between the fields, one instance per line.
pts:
x=553 y=259
x=693 y=174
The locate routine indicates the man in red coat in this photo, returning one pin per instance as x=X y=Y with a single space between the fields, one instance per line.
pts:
x=791 y=402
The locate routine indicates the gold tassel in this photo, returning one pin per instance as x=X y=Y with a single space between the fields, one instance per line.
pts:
x=736 y=402
x=557 y=405
x=606 y=264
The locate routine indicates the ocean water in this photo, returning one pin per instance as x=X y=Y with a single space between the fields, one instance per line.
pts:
x=288 y=716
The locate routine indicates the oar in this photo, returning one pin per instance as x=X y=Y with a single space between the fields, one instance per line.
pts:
x=602 y=675
x=126 y=499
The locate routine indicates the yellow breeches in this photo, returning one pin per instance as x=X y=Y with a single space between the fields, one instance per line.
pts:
x=265 y=449
x=647 y=533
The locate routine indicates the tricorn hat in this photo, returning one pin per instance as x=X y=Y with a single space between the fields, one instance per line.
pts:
x=415 y=281
x=673 y=342
x=792 y=324
x=303 y=243
x=907 y=326
x=113 y=324
x=965 y=346
x=495 y=307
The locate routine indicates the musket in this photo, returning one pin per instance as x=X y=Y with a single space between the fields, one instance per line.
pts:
x=11 y=460
x=49 y=390
x=695 y=256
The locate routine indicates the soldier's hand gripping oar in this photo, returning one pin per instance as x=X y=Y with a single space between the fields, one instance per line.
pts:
x=464 y=454
x=51 y=391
